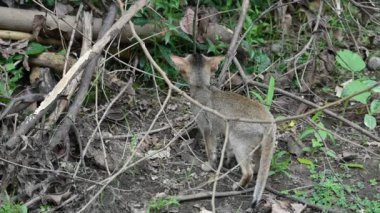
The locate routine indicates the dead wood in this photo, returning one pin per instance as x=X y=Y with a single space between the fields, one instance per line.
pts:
x=208 y=194
x=81 y=63
x=70 y=118
x=73 y=85
x=52 y=60
x=22 y=20
x=15 y=35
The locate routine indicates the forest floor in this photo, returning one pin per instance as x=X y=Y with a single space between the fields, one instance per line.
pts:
x=176 y=170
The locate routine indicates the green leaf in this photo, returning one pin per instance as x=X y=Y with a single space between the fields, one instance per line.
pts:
x=262 y=61
x=140 y=21
x=269 y=99
x=35 y=48
x=350 y=60
x=321 y=135
x=167 y=37
x=373 y=182
x=356 y=86
x=62 y=52
x=49 y=3
x=17 y=57
x=211 y=47
x=316 y=116
x=258 y=96
x=331 y=153
x=375 y=107
x=315 y=143
x=376 y=89
x=4 y=92
x=370 y=83
x=305 y=161
x=354 y=165
x=23 y=209
x=370 y=121
x=10 y=66
x=306 y=132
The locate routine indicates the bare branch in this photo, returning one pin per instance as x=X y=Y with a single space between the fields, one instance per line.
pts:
x=80 y=64
x=234 y=42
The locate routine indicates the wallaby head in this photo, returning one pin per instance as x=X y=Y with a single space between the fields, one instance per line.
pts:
x=196 y=69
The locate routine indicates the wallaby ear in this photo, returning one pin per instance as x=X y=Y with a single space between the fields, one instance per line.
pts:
x=180 y=63
x=213 y=62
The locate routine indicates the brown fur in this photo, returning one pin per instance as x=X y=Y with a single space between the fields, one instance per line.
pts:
x=243 y=137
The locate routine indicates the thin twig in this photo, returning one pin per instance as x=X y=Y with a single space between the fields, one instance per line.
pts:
x=328 y=112
x=72 y=38
x=234 y=42
x=208 y=194
x=91 y=139
x=31 y=120
x=195 y=27
x=227 y=132
x=128 y=163
x=119 y=137
x=321 y=108
x=71 y=115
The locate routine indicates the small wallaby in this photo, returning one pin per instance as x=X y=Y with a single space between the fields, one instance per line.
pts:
x=243 y=137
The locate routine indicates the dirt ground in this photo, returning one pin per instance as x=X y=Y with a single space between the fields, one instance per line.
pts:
x=174 y=171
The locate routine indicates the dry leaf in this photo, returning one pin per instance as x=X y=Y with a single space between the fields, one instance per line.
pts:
x=186 y=22
x=38 y=24
x=62 y=9
x=297 y=207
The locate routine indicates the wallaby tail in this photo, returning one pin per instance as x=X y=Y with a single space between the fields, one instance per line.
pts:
x=267 y=149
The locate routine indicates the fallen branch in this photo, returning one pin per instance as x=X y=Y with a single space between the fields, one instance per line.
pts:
x=73 y=85
x=70 y=118
x=208 y=194
x=31 y=120
x=22 y=20
x=16 y=35
x=234 y=43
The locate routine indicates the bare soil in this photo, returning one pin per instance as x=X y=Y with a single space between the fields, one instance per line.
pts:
x=175 y=171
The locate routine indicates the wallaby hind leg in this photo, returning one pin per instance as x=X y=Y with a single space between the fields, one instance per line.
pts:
x=210 y=144
x=229 y=155
x=243 y=157
x=256 y=160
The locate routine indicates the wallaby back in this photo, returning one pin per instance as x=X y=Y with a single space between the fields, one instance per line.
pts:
x=243 y=137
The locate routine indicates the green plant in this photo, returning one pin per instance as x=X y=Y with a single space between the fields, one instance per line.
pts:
x=373 y=182
x=45 y=208
x=280 y=163
x=9 y=206
x=14 y=72
x=350 y=61
x=270 y=94
x=318 y=134
x=329 y=191
x=260 y=59
x=161 y=203
x=353 y=62
x=258 y=97
x=374 y=106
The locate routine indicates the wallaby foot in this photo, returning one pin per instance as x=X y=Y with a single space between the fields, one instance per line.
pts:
x=245 y=179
